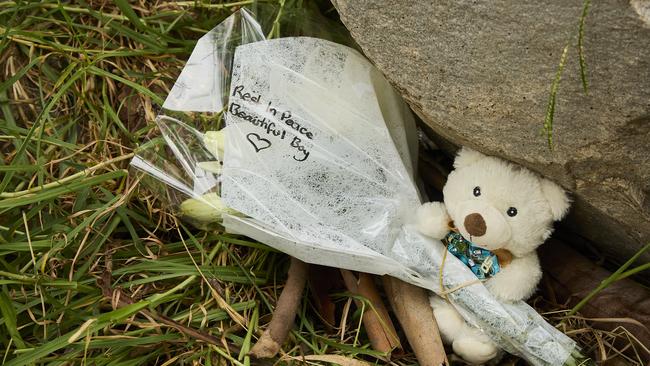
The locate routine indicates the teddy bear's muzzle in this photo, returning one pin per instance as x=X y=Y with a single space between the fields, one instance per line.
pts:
x=475 y=224
x=482 y=224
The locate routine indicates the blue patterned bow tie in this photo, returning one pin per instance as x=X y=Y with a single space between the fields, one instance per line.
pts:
x=482 y=262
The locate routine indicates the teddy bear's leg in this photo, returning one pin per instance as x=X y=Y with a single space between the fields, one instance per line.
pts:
x=474 y=346
x=469 y=343
x=450 y=323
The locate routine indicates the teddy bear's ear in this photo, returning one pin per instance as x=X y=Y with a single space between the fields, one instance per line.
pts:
x=467 y=156
x=556 y=197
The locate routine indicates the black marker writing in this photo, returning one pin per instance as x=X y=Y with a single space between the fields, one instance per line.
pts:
x=296 y=142
x=270 y=113
x=270 y=127
x=258 y=142
x=237 y=91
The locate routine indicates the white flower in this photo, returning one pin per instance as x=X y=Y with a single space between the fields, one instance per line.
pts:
x=210 y=166
x=205 y=209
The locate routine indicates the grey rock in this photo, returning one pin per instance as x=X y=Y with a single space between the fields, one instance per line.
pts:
x=479 y=74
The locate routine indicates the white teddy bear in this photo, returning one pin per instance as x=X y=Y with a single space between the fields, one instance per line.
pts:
x=507 y=211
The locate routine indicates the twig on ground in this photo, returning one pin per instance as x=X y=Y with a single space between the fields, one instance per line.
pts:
x=278 y=329
x=381 y=331
x=411 y=305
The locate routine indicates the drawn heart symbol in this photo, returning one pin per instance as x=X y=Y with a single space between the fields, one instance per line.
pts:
x=258 y=142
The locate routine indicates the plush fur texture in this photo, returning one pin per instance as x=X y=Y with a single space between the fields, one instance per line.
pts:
x=516 y=209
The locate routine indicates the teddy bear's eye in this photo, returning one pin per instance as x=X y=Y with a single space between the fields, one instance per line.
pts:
x=477 y=191
x=512 y=212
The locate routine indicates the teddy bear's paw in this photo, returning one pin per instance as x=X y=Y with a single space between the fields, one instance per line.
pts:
x=517 y=281
x=432 y=220
x=475 y=350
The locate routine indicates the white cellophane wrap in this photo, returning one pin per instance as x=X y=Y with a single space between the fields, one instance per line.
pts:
x=319 y=160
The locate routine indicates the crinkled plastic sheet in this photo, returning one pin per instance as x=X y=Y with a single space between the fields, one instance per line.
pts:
x=319 y=163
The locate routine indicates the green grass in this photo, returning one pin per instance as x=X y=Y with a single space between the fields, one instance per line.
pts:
x=547 y=127
x=94 y=267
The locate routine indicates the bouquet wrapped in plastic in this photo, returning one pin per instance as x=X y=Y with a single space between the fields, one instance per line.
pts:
x=301 y=144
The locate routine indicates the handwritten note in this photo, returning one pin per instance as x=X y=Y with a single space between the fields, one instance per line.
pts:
x=309 y=152
x=249 y=106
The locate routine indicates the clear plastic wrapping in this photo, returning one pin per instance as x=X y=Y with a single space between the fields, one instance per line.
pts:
x=316 y=158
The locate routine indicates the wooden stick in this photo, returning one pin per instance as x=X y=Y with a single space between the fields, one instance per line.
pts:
x=381 y=331
x=285 y=312
x=411 y=305
x=368 y=290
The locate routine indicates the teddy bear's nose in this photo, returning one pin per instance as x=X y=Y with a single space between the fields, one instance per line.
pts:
x=475 y=225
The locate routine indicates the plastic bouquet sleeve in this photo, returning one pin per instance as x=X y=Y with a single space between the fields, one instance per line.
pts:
x=308 y=152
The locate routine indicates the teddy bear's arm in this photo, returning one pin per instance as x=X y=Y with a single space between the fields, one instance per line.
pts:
x=518 y=280
x=432 y=220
